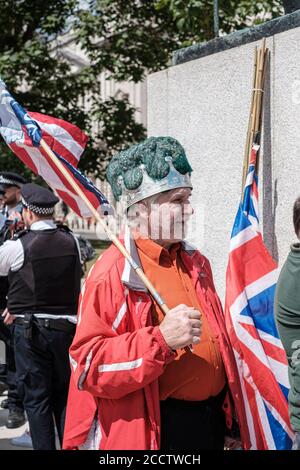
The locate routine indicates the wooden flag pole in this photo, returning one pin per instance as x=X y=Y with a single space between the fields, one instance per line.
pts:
x=255 y=117
x=247 y=146
x=266 y=58
x=107 y=230
x=160 y=302
x=259 y=89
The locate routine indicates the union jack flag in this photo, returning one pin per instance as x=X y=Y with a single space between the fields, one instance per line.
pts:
x=23 y=131
x=251 y=280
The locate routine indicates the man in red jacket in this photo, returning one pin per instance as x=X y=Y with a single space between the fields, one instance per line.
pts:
x=142 y=380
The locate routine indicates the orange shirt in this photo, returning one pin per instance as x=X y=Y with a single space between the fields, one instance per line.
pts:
x=191 y=376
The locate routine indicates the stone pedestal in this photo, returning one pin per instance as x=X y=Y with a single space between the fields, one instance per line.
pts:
x=204 y=102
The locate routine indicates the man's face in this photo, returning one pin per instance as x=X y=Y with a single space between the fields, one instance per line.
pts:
x=163 y=217
x=11 y=195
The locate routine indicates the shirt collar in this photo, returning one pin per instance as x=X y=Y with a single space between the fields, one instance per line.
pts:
x=156 y=252
x=46 y=224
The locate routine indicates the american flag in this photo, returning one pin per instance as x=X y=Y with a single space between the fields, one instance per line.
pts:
x=250 y=286
x=23 y=132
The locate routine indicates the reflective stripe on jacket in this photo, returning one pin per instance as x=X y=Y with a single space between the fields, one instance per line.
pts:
x=117 y=356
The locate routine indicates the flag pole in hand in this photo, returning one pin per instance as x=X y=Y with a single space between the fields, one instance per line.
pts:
x=107 y=230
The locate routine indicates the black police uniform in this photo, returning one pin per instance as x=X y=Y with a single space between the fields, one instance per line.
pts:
x=14 y=403
x=41 y=294
x=7 y=178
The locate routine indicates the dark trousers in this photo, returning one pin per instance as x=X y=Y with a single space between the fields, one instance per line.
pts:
x=192 y=425
x=43 y=378
x=6 y=335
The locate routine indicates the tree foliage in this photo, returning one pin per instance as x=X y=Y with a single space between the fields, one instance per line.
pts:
x=137 y=37
x=194 y=18
x=43 y=80
x=127 y=39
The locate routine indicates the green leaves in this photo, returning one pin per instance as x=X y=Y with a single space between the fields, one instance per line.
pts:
x=125 y=38
x=28 y=55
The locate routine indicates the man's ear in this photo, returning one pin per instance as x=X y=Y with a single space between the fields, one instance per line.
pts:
x=143 y=209
x=30 y=216
x=137 y=217
x=137 y=210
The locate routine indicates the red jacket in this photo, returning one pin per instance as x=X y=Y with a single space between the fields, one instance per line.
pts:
x=117 y=356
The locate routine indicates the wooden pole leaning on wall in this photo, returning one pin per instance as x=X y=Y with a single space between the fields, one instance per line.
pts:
x=247 y=144
x=260 y=114
x=255 y=115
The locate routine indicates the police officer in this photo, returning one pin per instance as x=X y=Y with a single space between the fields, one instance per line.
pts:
x=10 y=185
x=2 y=217
x=44 y=271
x=10 y=222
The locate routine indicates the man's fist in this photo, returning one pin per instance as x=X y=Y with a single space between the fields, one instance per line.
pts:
x=181 y=327
x=8 y=317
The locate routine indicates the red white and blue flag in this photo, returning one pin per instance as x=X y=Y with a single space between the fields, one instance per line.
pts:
x=250 y=286
x=23 y=131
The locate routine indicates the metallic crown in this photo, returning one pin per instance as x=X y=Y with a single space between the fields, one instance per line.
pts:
x=150 y=187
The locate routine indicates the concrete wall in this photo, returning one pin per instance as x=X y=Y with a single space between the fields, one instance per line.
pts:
x=205 y=103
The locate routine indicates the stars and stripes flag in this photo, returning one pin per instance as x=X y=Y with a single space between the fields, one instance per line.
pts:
x=23 y=131
x=250 y=286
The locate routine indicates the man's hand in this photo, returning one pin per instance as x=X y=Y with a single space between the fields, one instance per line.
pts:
x=181 y=327
x=232 y=443
x=8 y=317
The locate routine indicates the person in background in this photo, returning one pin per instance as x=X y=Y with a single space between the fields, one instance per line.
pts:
x=44 y=267
x=287 y=314
x=142 y=380
x=2 y=216
x=10 y=223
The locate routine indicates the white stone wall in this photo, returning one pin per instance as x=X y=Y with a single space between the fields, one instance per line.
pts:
x=205 y=104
